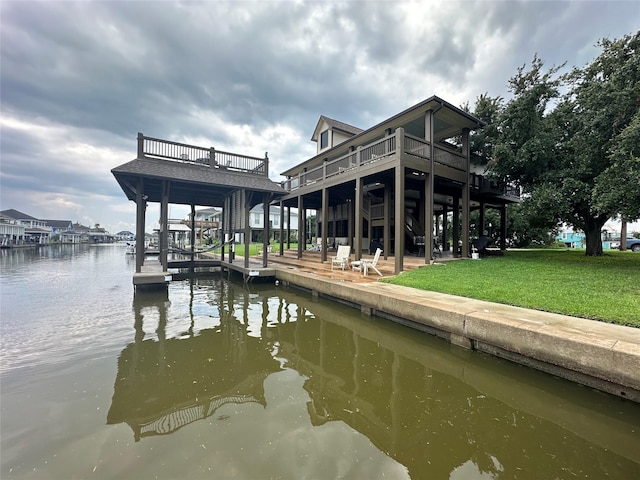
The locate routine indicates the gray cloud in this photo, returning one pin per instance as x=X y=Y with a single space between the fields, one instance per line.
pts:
x=79 y=80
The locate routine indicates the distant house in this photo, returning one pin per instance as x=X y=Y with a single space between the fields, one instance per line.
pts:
x=83 y=231
x=125 y=236
x=99 y=234
x=571 y=238
x=11 y=233
x=62 y=231
x=35 y=230
x=211 y=218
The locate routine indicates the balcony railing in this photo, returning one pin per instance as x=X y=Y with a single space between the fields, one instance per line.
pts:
x=375 y=152
x=149 y=147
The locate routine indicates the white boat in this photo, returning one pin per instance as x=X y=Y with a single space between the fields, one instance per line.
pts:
x=131 y=249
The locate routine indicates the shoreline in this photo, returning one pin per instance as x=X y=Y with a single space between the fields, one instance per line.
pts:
x=595 y=354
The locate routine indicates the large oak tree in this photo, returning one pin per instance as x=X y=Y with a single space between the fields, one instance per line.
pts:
x=571 y=141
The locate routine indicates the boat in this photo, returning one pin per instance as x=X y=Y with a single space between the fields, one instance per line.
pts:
x=131 y=249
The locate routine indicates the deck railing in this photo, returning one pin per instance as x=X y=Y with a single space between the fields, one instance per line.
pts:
x=149 y=147
x=374 y=152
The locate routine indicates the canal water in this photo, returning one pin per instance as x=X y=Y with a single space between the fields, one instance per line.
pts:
x=224 y=380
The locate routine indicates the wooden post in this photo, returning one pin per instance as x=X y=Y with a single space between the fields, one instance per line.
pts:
x=357 y=247
x=164 y=225
x=429 y=121
x=193 y=236
x=398 y=250
x=301 y=222
x=325 y=224
x=466 y=195
x=141 y=206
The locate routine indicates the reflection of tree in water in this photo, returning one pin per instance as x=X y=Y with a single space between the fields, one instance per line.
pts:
x=166 y=384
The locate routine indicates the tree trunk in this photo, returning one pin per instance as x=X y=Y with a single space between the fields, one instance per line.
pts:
x=592 y=233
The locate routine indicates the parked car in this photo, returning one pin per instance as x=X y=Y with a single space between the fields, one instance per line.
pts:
x=633 y=244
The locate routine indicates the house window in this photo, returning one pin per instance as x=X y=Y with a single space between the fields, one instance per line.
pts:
x=324 y=139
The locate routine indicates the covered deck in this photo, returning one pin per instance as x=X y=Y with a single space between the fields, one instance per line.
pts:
x=168 y=172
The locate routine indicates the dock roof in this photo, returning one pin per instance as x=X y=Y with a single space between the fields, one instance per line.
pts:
x=190 y=184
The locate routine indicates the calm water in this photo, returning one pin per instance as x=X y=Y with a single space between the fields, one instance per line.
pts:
x=221 y=380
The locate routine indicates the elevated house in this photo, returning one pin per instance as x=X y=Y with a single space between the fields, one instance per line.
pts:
x=62 y=231
x=35 y=230
x=398 y=184
x=11 y=233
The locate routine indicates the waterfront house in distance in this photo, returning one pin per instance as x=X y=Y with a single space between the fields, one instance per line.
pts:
x=35 y=230
x=11 y=232
x=398 y=183
x=212 y=218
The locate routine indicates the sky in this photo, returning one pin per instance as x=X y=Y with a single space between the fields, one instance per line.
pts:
x=79 y=80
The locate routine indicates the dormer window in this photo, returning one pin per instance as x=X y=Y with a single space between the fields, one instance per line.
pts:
x=324 y=139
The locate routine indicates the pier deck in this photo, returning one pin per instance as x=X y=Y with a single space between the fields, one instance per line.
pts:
x=152 y=277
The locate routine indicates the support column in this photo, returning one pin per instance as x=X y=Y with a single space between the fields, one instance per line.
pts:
x=358 y=219
x=466 y=194
x=247 y=226
x=398 y=251
x=141 y=208
x=386 y=228
x=223 y=228
x=481 y=221
x=456 y=226
x=288 y=228
x=301 y=222
x=164 y=225
x=325 y=224
x=350 y=220
x=444 y=228
x=192 y=240
x=281 y=240
x=429 y=187
x=266 y=234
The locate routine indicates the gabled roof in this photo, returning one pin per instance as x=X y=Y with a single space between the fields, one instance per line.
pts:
x=16 y=215
x=334 y=125
x=58 y=223
x=449 y=121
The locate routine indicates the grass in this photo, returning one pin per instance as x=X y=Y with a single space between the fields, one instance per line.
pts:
x=605 y=288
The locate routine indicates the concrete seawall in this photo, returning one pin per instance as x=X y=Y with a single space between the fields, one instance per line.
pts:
x=596 y=354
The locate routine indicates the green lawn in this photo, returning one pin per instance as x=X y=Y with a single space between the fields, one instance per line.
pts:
x=603 y=288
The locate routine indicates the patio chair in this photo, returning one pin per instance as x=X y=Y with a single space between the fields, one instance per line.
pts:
x=365 y=264
x=341 y=259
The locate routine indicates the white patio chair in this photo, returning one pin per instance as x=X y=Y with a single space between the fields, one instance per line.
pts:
x=365 y=264
x=341 y=259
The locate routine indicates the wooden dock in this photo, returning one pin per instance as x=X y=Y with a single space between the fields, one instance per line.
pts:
x=152 y=277
x=254 y=270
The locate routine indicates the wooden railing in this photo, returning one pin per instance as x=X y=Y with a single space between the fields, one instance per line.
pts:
x=149 y=147
x=374 y=152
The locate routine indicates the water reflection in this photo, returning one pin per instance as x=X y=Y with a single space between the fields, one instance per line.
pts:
x=165 y=383
x=438 y=410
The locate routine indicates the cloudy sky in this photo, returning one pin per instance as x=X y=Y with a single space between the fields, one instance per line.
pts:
x=80 y=80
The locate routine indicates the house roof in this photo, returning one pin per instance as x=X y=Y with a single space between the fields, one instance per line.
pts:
x=58 y=223
x=16 y=215
x=449 y=122
x=334 y=125
x=189 y=184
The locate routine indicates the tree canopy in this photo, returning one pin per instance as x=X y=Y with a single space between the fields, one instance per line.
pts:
x=572 y=141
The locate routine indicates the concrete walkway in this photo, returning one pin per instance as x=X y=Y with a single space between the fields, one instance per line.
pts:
x=596 y=354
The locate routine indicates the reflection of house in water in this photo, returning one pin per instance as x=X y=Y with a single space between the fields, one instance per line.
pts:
x=433 y=407
x=165 y=384
x=430 y=406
